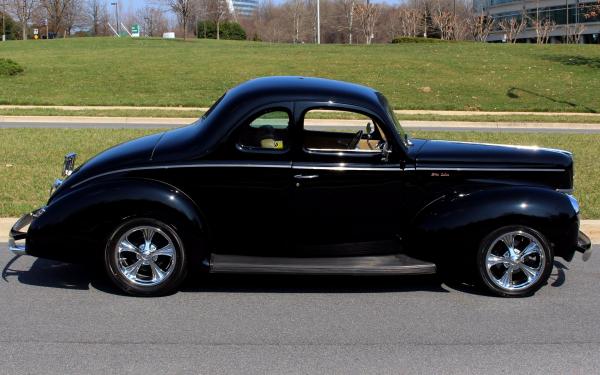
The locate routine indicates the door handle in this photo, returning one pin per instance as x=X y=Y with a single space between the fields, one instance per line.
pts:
x=306 y=176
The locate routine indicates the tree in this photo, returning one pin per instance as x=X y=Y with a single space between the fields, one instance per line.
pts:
x=153 y=21
x=218 y=11
x=228 y=30
x=93 y=12
x=367 y=15
x=61 y=14
x=481 y=26
x=512 y=27
x=411 y=20
x=297 y=11
x=543 y=28
x=348 y=9
x=8 y=26
x=185 y=10
x=23 y=10
x=593 y=11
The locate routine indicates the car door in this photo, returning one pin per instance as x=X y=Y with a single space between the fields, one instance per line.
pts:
x=245 y=196
x=348 y=196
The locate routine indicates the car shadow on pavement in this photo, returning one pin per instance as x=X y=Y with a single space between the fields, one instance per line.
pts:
x=53 y=274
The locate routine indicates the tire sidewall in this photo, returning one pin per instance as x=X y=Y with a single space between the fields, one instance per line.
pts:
x=481 y=262
x=166 y=287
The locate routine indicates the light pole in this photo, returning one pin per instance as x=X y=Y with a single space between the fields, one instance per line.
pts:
x=3 y=25
x=116 y=4
x=318 y=22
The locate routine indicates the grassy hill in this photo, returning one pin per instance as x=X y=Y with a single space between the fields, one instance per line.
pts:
x=154 y=72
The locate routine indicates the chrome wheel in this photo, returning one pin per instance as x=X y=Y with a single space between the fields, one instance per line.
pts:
x=515 y=260
x=145 y=255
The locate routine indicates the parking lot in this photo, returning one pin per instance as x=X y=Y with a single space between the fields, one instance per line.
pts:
x=56 y=318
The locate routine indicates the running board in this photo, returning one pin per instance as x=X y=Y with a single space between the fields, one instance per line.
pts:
x=398 y=264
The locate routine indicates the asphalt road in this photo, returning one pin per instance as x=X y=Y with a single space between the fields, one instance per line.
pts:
x=54 y=318
x=433 y=126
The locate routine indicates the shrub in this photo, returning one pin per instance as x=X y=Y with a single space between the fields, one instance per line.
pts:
x=227 y=30
x=408 y=39
x=9 y=67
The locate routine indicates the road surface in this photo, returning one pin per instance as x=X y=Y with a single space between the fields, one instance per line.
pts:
x=56 y=318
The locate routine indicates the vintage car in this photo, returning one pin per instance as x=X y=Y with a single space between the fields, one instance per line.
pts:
x=296 y=175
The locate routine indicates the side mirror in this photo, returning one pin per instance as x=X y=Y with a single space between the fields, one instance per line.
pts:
x=370 y=129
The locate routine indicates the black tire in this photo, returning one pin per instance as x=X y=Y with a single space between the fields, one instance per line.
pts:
x=143 y=283
x=544 y=260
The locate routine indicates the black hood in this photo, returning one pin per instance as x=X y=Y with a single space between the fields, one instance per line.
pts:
x=451 y=154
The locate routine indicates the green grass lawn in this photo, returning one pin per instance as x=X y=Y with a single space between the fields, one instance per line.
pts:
x=32 y=158
x=155 y=72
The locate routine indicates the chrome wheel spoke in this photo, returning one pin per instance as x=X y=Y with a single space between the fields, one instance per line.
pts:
x=148 y=236
x=532 y=248
x=509 y=241
x=131 y=271
x=492 y=260
x=507 y=280
x=166 y=250
x=157 y=273
x=126 y=246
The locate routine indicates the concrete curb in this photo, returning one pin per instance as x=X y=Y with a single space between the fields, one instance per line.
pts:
x=589 y=227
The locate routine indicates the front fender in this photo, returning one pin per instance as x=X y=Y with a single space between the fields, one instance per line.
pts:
x=456 y=224
x=76 y=225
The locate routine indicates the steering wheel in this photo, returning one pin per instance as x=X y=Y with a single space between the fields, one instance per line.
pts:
x=354 y=142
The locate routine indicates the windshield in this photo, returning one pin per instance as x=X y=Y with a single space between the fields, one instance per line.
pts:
x=390 y=111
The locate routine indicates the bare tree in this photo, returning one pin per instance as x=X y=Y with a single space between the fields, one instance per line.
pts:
x=23 y=11
x=411 y=20
x=184 y=10
x=443 y=20
x=543 y=28
x=153 y=20
x=297 y=11
x=480 y=26
x=574 y=32
x=93 y=13
x=56 y=10
x=593 y=11
x=72 y=17
x=512 y=27
x=367 y=15
x=218 y=11
x=348 y=8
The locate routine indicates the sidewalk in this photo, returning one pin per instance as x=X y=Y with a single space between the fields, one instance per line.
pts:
x=589 y=227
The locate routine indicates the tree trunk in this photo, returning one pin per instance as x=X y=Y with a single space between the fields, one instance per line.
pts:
x=184 y=28
x=218 y=31
x=24 y=30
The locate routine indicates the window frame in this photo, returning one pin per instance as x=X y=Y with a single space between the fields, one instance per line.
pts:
x=338 y=152
x=255 y=115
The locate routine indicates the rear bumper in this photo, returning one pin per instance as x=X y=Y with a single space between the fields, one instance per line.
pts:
x=584 y=246
x=18 y=234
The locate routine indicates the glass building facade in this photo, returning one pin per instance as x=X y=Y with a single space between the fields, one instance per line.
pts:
x=243 y=8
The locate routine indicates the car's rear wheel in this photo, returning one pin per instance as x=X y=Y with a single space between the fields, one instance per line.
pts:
x=514 y=261
x=145 y=257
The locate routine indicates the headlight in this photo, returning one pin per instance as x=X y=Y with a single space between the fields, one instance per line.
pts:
x=574 y=203
x=69 y=164
x=55 y=185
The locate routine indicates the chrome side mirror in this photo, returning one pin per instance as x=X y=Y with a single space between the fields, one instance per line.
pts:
x=69 y=165
x=369 y=129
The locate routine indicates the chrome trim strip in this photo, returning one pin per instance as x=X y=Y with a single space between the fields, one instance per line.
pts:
x=348 y=168
x=458 y=169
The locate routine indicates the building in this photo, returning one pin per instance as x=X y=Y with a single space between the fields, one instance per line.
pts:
x=568 y=16
x=242 y=8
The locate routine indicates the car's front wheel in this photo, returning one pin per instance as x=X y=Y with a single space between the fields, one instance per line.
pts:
x=145 y=257
x=514 y=261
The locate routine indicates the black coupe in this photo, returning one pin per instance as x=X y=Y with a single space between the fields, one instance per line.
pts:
x=309 y=176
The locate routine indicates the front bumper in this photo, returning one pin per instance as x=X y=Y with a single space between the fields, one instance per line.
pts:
x=17 y=236
x=584 y=245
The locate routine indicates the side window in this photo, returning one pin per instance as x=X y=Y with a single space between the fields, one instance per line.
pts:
x=335 y=130
x=266 y=132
